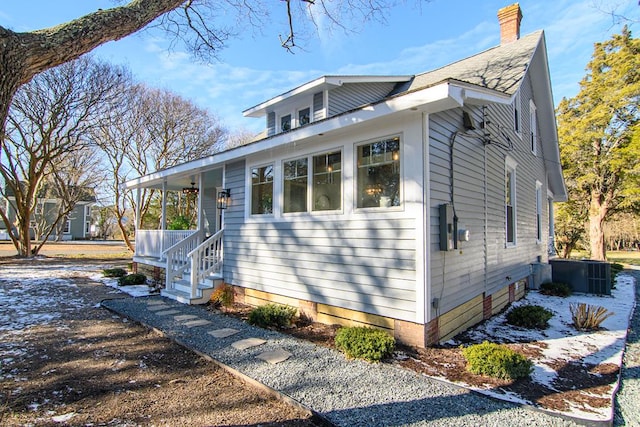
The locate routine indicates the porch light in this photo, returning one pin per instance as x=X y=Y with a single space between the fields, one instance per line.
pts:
x=191 y=190
x=223 y=198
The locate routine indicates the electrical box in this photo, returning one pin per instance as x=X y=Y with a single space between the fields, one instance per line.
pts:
x=447 y=228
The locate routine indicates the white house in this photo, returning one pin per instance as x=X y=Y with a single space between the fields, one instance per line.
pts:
x=414 y=203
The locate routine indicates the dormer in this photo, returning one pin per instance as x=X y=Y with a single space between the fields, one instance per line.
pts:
x=322 y=98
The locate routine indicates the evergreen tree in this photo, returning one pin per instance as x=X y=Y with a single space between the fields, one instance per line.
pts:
x=598 y=131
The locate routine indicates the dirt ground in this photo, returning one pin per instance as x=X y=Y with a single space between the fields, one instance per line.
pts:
x=82 y=365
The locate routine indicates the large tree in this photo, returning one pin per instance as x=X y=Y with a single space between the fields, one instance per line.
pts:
x=598 y=131
x=147 y=130
x=48 y=127
x=203 y=25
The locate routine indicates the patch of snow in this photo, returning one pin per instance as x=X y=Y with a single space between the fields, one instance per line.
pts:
x=563 y=343
x=63 y=418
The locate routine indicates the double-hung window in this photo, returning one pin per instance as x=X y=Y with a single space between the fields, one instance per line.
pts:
x=378 y=175
x=262 y=190
x=533 y=121
x=296 y=180
x=538 y=211
x=510 y=201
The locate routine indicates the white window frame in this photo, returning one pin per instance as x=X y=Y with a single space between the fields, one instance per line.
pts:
x=310 y=203
x=511 y=166
x=517 y=114
x=356 y=194
x=539 y=235
x=298 y=124
x=67 y=227
x=273 y=191
x=533 y=123
x=291 y=121
x=308 y=176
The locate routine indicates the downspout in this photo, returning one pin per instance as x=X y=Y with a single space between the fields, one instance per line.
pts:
x=426 y=221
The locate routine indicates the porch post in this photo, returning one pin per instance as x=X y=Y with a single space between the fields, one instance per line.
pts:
x=163 y=221
x=200 y=216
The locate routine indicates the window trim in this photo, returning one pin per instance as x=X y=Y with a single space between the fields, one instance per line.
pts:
x=517 y=114
x=378 y=209
x=510 y=166
x=298 y=110
x=539 y=234
x=284 y=202
x=310 y=176
x=273 y=190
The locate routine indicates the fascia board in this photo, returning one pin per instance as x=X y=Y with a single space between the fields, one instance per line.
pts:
x=436 y=98
x=321 y=83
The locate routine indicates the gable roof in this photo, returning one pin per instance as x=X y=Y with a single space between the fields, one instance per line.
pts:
x=500 y=68
x=494 y=75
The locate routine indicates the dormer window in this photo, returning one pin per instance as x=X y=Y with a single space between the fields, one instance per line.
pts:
x=285 y=123
x=304 y=116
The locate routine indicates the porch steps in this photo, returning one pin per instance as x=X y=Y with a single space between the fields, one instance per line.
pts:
x=181 y=290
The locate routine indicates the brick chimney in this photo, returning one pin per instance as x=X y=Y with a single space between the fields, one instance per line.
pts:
x=509 y=18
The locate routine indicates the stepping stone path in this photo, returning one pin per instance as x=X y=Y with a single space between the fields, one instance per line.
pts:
x=223 y=333
x=167 y=312
x=275 y=356
x=247 y=343
x=196 y=322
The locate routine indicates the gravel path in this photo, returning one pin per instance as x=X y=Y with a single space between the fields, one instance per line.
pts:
x=352 y=392
x=627 y=411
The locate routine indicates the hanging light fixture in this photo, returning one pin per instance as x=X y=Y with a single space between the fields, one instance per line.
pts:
x=191 y=190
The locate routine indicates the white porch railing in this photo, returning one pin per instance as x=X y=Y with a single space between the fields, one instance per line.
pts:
x=207 y=258
x=177 y=257
x=152 y=243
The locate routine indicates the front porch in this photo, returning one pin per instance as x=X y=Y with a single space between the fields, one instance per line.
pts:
x=191 y=260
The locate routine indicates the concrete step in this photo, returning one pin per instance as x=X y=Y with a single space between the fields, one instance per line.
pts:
x=185 y=297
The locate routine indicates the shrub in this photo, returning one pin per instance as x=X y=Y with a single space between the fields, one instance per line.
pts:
x=181 y=222
x=114 y=272
x=223 y=295
x=132 y=279
x=496 y=360
x=272 y=315
x=555 y=289
x=529 y=316
x=365 y=343
x=588 y=317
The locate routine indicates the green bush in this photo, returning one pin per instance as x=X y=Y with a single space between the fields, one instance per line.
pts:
x=365 y=343
x=496 y=360
x=555 y=289
x=114 y=272
x=132 y=279
x=529 y=316
x=272 y=315
x=180 y=222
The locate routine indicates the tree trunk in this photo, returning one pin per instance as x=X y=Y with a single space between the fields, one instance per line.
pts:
x=597 y=215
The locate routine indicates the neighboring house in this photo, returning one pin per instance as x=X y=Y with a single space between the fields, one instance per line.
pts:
x=76 y=226
x=418 y=203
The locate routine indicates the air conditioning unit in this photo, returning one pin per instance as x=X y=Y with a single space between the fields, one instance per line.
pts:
x=587 y=276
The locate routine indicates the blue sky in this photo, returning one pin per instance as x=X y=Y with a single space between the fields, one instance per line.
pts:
x=416 y=37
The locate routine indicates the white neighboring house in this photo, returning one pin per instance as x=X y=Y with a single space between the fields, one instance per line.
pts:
x=416 y=203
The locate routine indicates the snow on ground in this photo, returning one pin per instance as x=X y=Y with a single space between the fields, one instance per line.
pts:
x=561 y=342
